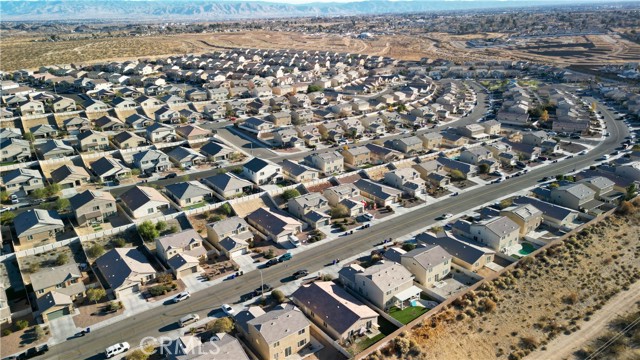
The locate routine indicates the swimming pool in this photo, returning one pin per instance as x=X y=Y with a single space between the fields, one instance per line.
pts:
x=527 y=248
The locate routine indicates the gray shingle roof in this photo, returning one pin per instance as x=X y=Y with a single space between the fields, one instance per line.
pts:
x=188 y=189
x=35 y=221
x=278 y=324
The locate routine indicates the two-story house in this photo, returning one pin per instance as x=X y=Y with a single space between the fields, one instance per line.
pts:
x=143 y=201
x=181 y=252
x=261 y=172
x=151 y=161
x=37 y=227
x=92 y=206
x=231 y=236
x=22 y=179
x=91 y=140
x=56 y=289
x=13 y=149
x=158 y=132
x=327 y=163
x=311 y=208
x=527 y=216
x=357 y=156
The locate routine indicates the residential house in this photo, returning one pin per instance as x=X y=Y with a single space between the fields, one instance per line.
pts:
x=470 y=257
x=54 y=149
x=188 y=193
x=231 y=236
x=142 y=201
x=166 y=115
x=428 y=264
x=151 y=161
x=275 y=226
x=215 y=151
x=63 y=104
x=277 y=334
x=32 y=108
x=128 y=140
x=347 y=195
x=91 y=140
x=124 y=270
x=406 y=179
x=497 y=233
x=192 y=132
x=186 y=157
x=70 y=176
x=408 y=145
x=334 y=310
x=552 y=215
x=382 y=155
x=280 y=118
x=527 y=216
x=191 y=347
x=601 y=185
x=93 y=206
x=109 y=169
x=574 y=196
x=287 y=138
x=261 y=172
x=475 y=155
x=109 y=123
x=473 y=131
x=94 y=106
x=450 y=165
x=357 y=156
x=381 y=195
x=257 y=125
x=327 y=163
x=56 y=289
x=37 y=227
x=301 y=116
x=311 y=208
x=228 y=185
x=158 y=132
x=491 y=127
x=76 y=124
x=44 y=131
x=14 y=150
x=452 y=140
x=120 y=103
x=181 y=252
x=138 y=122
x=385 y=284
x=431 y=140
x=22 y=179
x=298 y=172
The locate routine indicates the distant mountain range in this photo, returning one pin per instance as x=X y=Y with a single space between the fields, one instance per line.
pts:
x=200 y=10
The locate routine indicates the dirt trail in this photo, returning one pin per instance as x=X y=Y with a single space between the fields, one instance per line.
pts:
x=564 y=346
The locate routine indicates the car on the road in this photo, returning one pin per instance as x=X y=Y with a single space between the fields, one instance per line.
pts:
x=33 y=352
x=285 y=257
x=271 y=262
x=447 y=215
x=188 y=319
x=265 y=288
x=116 y=349
x=455 y=194
x=181 y=297
x=300 y=274
x=227 y=309
x=171 y=176
x=583 y=152
x=368 y=216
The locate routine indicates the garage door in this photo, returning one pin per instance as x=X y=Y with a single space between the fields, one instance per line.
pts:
x=57 y=314
x=188 y=271
x=128 y=291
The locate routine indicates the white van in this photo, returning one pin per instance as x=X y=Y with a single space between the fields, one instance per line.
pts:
x=188 y=319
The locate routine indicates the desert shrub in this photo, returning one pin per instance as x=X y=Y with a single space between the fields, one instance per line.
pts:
x=222 y=325
x=489 y=305
x=270 y=254
x=39 y=332
x=570 y=299
x=6 y=332
x=62 y=259
x=95 y=251
x=114 y=306
x=278 y=296
x=158 y=290
x=118 y=242
x=529 y=342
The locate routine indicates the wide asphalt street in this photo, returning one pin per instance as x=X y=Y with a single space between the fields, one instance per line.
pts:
x=155 y=322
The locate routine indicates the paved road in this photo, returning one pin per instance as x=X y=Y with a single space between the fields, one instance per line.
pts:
x=204 y=302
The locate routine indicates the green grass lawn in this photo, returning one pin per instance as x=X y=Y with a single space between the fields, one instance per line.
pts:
x=386 y=328
x=195 y=206
x=407 y=315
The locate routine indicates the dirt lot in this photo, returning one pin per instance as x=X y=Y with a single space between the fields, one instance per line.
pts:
x=550 y=296
x=22 y=52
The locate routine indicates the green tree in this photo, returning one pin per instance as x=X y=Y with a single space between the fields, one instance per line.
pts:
x=118 y=242
x=278 y=296
x=457 y=175
x=339 y=211
x=544 y=116
x=135 y=172
x=95 y=294
x=39 y=193
x=161 y=226
x=4 y=196
x=22 y=324
x=39 y=332
x=483 y=168
x=53 y=189
x=506 y=203
x=95 y=251
x=222 y=325
x=62 y=259
x=7 y=217
x=29 y=136
x=148 y=231
x=62 y=204
x=34 y=267
x=290 y=194
x=226 y=209
x=313 y=88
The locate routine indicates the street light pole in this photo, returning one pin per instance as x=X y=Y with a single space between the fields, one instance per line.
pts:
x=261 y=285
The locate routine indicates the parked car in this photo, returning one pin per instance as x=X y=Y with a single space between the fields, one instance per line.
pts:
x=300 y=274
x=265 y=288
x=14 y=199
x=33 y=352
x=181 y=296
x=116 y=349
x=368 y=216
x=227 y=309
x=188 y=319
x=447 y=215
x=271 y=262
x=285 y=257
x=171 y=176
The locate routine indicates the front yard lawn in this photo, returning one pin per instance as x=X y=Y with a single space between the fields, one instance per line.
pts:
x=407 y=315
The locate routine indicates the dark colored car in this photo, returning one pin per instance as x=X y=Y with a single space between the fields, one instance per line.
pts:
x=300 y=274
x=265 y=288
x=171 y=176
x=33 y=352
x=271 y=262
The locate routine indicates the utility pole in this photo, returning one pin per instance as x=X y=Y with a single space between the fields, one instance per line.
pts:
x=261 y=285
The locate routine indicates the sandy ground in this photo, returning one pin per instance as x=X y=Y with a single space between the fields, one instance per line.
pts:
x=564 y=346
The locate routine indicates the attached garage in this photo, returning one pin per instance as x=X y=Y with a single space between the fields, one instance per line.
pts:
x=128 y=290
x=233 y=247
x=188 y=271
x=57 y=314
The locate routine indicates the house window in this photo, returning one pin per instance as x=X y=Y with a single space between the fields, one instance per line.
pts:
x=30 y=237
x=150 y=211
x=302 y=331
x=276 y=344
x=302 y=342
x=59 y=286
x=109 y=205
x=96 y=208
